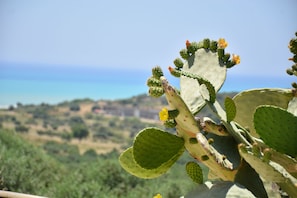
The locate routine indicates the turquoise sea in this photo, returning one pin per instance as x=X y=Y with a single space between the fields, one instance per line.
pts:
x=35 y=84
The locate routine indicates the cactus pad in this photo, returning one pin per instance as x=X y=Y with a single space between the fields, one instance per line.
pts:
x=230 y=109
x=154 y=147
x=128 y=163
x=270 y=171
x=206 y=64
x=195 y=172
x=187 y=128
x=277 y=128
x=247 y=101
x=263 y=168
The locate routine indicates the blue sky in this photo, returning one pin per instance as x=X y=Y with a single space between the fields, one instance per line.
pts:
x=141 y=34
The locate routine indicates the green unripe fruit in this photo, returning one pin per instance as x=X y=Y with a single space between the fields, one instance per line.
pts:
x=290 y=72
x=226 y=57
x=156 y=91
x=242 y=148
x=193 y=140
x=178 y=63
x=170 y=123
x=256 y=150
x=153 y=82
x=184 y=54
x=206 y=43
x=157 y=72
x=293 y=46
x=266 y=155
x=195 y=172
x=210 y=141
x=294 y=85
x=193 y=47
x=213 y=46
x=204 y=157
x=221 y=53
x=174 y=72
x=173 y=114
x=295 y=58
x=230 y=64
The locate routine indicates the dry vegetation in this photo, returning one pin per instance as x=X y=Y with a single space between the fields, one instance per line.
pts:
x=43 y=123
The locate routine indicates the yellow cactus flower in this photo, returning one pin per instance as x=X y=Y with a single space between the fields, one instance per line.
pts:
x=222 y=43
x=158 y=196
x=163 y=114
x=235 y=58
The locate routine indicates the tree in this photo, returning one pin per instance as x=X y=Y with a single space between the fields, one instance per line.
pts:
x=74 y=107
x=79 y=131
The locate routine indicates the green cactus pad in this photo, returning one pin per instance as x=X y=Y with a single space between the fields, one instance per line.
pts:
x=271 y=171
x=285 y=161
x=261 y=167
x=278 y=128
x=230 y=109
x=187 y=127
x=185 y=119
x=153 y=147
x=247 y=101
x=128 y=163
x=206 y=64
x=195 y=172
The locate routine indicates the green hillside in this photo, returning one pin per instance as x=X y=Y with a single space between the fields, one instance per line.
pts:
x=64 y=172
x=71 y=149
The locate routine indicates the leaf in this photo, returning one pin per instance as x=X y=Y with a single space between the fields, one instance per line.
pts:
x=128 y=163
x=230 y=109
x=277 y=128
x=195 y=172
x=154 y=147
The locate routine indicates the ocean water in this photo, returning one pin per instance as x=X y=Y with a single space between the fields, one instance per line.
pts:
x=35 y=84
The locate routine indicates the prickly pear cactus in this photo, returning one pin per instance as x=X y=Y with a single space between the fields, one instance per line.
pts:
x=255 y=139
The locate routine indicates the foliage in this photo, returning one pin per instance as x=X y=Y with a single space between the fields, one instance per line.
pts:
x=252 y=147
x=74 y=107
x=27 y=169
x=103 y=133
x=78 y=127
x=62 y=152
x=79 y=131
x=21 y=128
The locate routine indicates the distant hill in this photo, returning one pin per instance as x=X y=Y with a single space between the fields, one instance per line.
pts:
x=101 y=125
